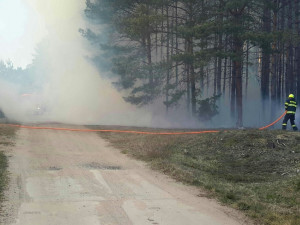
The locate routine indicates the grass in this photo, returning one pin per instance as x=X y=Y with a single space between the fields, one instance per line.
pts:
x=6 y=139
x=257 y=172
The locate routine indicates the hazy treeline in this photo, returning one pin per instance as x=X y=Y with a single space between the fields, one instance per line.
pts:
x=181 y=49
x=9 y=73
x=23 y=78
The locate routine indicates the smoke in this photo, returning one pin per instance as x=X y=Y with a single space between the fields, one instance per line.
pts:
x=69 y=89
x=66 y=87
x=72 y=89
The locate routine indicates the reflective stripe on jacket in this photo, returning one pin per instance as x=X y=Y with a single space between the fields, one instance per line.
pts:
x=291 y=106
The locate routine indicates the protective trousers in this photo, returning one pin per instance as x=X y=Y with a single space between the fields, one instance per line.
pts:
x=288 y=117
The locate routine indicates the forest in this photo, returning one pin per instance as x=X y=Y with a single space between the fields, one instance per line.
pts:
x=198 y=53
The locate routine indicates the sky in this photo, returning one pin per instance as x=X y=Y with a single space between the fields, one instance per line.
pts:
x=21 y=28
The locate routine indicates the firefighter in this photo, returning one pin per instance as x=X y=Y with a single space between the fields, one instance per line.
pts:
x=290 y=107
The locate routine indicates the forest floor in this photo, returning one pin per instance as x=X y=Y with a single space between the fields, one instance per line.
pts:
x=7 y=135
x=257 y=172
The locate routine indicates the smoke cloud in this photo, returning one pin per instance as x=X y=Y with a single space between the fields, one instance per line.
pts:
x=67 y=88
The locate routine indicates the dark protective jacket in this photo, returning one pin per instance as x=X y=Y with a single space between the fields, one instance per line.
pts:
x=291 y=106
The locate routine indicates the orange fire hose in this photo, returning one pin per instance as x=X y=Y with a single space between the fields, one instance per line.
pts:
x=113 y=131
x=276 y=121
x=129 y=131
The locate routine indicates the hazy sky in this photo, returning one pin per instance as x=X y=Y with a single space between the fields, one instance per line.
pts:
x=72 y=90
x=21 y=28
x=25 y=23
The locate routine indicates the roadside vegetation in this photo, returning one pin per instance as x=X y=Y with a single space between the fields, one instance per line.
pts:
x=257 y=172
x=6 y=139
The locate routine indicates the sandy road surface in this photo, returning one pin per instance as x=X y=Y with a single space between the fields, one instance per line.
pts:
x=61 y=178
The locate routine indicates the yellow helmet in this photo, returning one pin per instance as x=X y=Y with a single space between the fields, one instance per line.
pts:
x=291 y=96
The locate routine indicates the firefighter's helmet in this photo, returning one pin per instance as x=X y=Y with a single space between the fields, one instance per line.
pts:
x=291 y=96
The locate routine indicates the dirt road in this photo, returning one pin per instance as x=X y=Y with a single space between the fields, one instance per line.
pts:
x=62 y=177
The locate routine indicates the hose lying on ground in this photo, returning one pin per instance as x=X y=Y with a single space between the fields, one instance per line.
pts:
x=113 y=131
x=132 y=132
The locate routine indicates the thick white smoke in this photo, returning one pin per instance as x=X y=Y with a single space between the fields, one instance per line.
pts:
x=69 y=89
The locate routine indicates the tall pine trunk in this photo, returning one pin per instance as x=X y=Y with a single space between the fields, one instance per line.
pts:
x=233 y=90
x=149 y=54
x=297 y=17
x=237 y=68
x=168 y=59
x=274 y=66
x=219 y=59
x=265 y=67
x=237 y=65
x=290 y=54
x=193 y=79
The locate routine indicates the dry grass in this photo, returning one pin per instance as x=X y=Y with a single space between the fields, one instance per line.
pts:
x=257 y=172
x=6 y=139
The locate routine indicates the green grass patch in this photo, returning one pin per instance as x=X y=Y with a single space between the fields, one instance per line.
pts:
x=257 y=172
